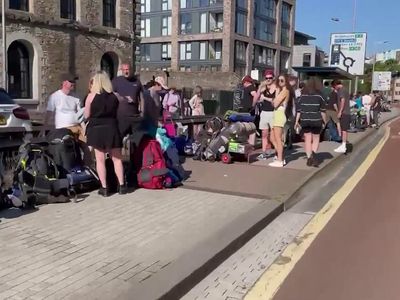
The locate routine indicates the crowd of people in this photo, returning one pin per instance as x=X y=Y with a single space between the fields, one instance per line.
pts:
x=306 y=107
x=112 y=110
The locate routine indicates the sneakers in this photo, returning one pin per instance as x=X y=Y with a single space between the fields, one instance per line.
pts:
x=341 y=149
x=276 y=158
x=277 y=164
x=312 y=161
x=262 y=156
x=103 y=192
x=122 y=190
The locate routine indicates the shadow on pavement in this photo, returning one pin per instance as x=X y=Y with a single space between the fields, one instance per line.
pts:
x=12 y=213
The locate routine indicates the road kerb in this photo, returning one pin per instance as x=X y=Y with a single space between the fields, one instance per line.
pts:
x=269 y=283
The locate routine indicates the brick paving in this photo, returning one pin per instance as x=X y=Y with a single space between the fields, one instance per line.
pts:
x=102 y=245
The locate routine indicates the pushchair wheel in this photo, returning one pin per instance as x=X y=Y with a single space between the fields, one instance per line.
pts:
x=226 y=158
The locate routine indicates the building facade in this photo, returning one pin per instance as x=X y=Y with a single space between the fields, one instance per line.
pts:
x=46 y=38
x=305 y=54
x=204 y=38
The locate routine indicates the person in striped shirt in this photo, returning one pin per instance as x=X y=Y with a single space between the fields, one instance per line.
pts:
x=311 y=117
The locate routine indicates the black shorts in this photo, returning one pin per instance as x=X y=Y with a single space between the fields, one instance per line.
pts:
x=345 y=122
x=313 y=130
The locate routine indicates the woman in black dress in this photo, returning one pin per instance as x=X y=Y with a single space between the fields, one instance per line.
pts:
x=101 y=107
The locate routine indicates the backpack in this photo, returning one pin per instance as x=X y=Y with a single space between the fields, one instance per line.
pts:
x=37 y=175
x=64 y=149
x=150 y=162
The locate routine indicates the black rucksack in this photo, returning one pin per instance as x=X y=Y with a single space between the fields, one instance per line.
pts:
x=64 y=149
x=37 y=175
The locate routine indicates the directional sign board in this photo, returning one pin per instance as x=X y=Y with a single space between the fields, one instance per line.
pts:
x=348 y=52
x=381 y=81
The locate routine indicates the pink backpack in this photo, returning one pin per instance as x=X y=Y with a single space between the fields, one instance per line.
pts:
x=169 y=125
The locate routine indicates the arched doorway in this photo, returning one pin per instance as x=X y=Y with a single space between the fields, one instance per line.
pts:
x=19 y=70
x=109 y=64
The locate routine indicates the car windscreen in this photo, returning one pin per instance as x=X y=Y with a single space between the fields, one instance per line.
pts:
x=5 y=98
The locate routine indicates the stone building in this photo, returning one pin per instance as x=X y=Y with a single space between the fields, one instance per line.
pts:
x=215 y=42
x=46 y=38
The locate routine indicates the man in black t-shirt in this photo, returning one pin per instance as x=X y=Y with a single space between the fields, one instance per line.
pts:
x=130 y=94
x=249 y=94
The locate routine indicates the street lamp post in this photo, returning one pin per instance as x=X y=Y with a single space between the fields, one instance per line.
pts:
x=3 y=45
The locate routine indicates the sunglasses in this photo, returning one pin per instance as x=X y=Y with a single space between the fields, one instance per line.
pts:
x=269 y=78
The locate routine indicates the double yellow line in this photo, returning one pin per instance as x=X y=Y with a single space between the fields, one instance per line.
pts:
x=269 y=283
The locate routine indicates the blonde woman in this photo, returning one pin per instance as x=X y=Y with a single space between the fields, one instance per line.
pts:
x=283 y=105
x=196 y=104
x=101 y=107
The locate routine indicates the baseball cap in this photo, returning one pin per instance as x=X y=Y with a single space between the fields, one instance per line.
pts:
x=160 y=80
x=69 y=77
x=269 y=73
x=247 y=78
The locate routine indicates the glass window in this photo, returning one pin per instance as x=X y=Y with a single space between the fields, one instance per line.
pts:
x=240 y=51
x=166 y=4
x=285 y=36
x=218 y=49
x=145 y=52
x=166 y=51
x=284 y=62
x=186 y=3
x=204 y=3
x=145 y=28
x=286 y=10
x=263 y=56
x=203 y=50
x=109 y=12
x=265 y=8
x=241 y=23
x=186 y=51
x=241 y=3
x=19 y=71
x=264 y=30
x=166 y=26
x=68 y=9
x=203 y=23
x=19 y=4
x=307 y=60
x=145 y=6
x=186 y=23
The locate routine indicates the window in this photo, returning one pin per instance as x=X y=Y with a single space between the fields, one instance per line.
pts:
x=240 y=51
x=107 y=65
x=397 y=84
x=204 y=3
x=144 y=6
x=264 y=56
x=166 y=4
x=166 y=51
x=186 y=3
x=285 y=38
x=68 y=9
x=186 y=23
x=286 y=10
x=145 y=52
x=186 y=51
x=166 y=26
x=19 y=71
x=215 y=50
x=241 y=23
x=284 y=62
x=307 y=60
x=109 y=12
x=241 y=4
x=19 y=4
x=145 y=28
x=216 y=22
x=264 y=30
x=203 y=22
x=265 y=8
x=203 y=51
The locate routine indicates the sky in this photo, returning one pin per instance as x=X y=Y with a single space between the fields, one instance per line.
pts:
x=380 y=19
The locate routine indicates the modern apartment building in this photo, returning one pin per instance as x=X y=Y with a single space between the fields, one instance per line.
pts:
x=47 y=38
x=228 y=36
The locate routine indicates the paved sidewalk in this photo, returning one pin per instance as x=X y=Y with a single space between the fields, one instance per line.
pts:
x=100 y=244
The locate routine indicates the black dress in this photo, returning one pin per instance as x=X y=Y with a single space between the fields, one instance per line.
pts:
x=102 y=128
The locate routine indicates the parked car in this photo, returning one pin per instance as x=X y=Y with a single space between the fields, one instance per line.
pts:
x=15 y=123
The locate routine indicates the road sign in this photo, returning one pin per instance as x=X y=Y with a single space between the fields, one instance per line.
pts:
x=347 y=52
x=381 y=81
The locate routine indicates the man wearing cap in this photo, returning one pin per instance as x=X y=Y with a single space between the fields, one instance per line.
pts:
x=63 y=107
x=249 y=94
x=130 y=95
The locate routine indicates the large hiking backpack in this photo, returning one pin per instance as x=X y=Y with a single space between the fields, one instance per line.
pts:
x=38 y=177
x=64 y=149
x=150 y=162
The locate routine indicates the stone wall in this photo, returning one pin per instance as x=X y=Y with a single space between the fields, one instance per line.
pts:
x=61 y=46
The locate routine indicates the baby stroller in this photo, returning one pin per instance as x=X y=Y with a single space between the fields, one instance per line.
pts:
x=211 y=130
